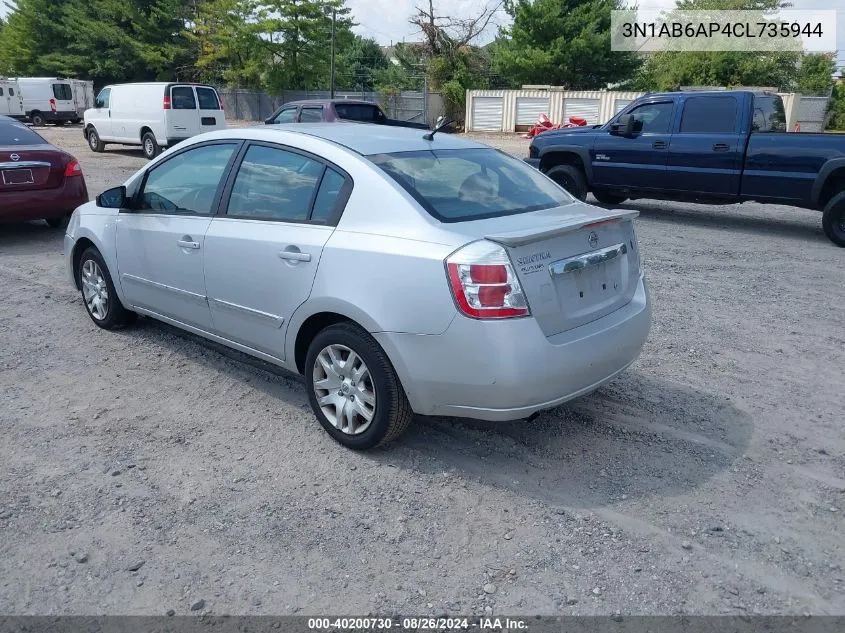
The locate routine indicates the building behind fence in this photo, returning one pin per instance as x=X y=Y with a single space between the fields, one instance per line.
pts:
x=518 y=110
x=257 y=105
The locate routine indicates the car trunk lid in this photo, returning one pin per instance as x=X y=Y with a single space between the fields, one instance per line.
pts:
x=31 y=167
x=576 y=263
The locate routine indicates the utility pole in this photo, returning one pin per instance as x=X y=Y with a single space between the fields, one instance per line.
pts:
x=334 y=18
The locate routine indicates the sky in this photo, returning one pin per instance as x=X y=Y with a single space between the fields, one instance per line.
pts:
x=386 y=21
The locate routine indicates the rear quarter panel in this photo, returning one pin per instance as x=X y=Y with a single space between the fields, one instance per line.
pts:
x=782 y=167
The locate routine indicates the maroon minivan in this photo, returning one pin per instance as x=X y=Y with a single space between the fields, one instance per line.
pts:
x=37 y=179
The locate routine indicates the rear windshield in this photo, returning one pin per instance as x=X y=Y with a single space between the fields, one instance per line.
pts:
x=62 y=92
x=13 y=133
x=471 y=184
x=208 y=99
x=358 y=112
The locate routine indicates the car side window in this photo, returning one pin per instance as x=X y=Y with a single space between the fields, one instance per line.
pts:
x=182 y=98
x=1 y=92
x=102 y=100
x=709 y=115
x=652 y=118
x=274 y=184
x=769 y=114
x=285 y=116
x=310 y=115
x=11 y=92
x=325 y=204
x=188 y=182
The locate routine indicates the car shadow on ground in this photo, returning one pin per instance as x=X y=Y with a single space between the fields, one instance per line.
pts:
x=32 y=237
x=638 y=436
x=805 y=224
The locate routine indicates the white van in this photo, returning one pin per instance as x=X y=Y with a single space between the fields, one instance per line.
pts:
x=11 y=103
x=47 y=100
x=152 y=115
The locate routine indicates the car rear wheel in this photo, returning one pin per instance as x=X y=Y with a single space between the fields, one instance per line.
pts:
x=94 y=141
x=570 y=178
x=37 y=119
x=150 y=145
x=607 y=197
x=833 y=219
x=353 y=389
x=58 y=223
x=98 y=293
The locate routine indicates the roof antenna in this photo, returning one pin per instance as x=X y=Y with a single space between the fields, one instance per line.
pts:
x=438 y=125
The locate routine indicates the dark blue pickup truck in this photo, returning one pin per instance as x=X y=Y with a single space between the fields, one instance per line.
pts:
x=712 y=147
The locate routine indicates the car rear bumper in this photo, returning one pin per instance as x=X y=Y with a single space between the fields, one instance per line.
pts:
x=20 y=206
x=508 y=370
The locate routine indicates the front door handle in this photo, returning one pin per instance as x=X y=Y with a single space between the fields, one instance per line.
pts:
x=295 y=256
x=721 y=147
x=659 y=145
x=187 y=242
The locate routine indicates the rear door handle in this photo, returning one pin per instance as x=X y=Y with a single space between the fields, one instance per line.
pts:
x=187 y=242
x=721 y=147
x=659 y=145
x=295 y=256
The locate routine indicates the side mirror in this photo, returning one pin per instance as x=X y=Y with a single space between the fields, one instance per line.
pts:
x=99 y=104
x=623 y=126
x=113 y=198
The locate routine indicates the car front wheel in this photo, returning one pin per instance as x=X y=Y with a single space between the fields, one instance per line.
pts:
x=570 y=178
x=94 y=141
x=98 y=292
x=353 y=389
x=150 y=145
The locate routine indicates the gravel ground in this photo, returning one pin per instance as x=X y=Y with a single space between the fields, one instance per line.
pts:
x=146 y=470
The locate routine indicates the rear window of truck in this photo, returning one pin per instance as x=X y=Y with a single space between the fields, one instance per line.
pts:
x=358 y=112
x=208 y=99
x=461 y=185
x=62 y=92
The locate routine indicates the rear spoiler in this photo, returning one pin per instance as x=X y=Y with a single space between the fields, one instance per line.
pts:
x=555 y=229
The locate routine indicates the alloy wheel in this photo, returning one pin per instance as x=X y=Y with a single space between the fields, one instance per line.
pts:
x=344 y=389
x=95 y=291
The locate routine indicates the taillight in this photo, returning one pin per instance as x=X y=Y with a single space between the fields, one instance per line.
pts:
x=73 y=169
x=166 y=104
x=484 y=283
x=52 y=104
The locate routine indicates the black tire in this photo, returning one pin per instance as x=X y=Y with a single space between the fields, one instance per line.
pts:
x=833 y=219
x=392 y=413
x=116 y=316
x=37 y=119
x=60 y=123
x=94 y=141
x=608 y=197
x=570 y=178
x=76 y=121
x=150 y=145
x=58 y=223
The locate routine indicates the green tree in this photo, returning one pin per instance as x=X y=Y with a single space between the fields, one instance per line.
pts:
x=815 y=76
x=669 y=70
x=104 y=40
x=836 y=110
x=298 y=34
x=228 y=43
x=561 y=42
x=359 y=64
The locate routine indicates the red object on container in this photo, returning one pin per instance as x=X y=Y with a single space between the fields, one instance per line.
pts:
x=543 y=124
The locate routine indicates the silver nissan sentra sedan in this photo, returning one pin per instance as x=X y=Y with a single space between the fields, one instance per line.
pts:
x=399 y=274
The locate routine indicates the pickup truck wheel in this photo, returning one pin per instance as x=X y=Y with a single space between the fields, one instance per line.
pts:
x=607 y=197
x=833 y=219
x=570 y=178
